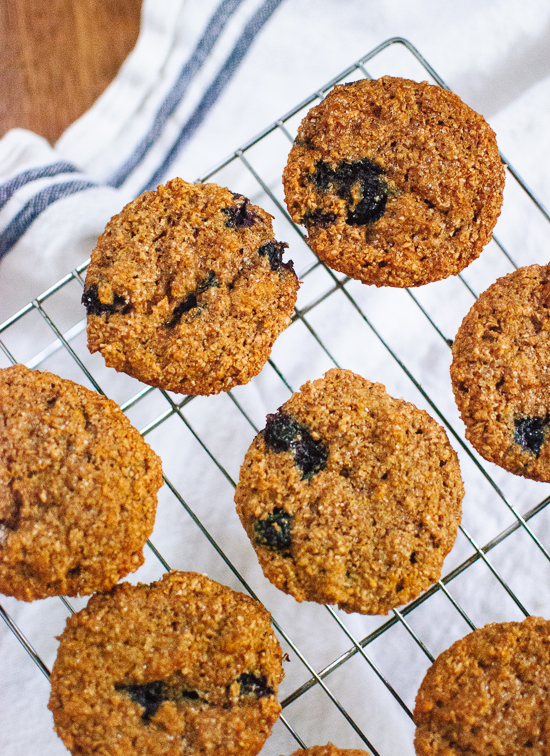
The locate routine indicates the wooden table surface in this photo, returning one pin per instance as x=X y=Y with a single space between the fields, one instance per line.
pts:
x=57 y=56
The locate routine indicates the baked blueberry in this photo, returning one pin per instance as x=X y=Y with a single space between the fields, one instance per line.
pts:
x=187 y=304
x=190 y=301
x=318 y=218
x=240 y=215
x=529 y=433
x=323 y=176
x=274 y=531
x=280 y=430
x=284 y=433
x=274 y=252
x=149 y=695
x=254 y=684
x=94 y=305
x=360 y=183
x=208 y=282
x=373 y=203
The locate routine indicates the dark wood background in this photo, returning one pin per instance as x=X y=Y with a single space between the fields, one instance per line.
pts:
x=57 y=56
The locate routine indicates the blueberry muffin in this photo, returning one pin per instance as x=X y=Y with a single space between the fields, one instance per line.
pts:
x=398 y=183
x=181 y=667
x=78 y=488
x=500 y=372
x=187 y=289
x=350 y=497
x=487 y=695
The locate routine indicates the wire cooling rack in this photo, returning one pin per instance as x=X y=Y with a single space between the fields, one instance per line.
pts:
x=350 y=679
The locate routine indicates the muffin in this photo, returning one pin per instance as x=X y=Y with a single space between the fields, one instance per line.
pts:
x=398 y=183
x=488 y=694
x=180 y=667
x=500 y=375
x=78 y=488
x=349 y=496
x=187 y=289
x=329 y=750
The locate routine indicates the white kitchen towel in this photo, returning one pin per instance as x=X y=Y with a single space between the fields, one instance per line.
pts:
x=204 y=78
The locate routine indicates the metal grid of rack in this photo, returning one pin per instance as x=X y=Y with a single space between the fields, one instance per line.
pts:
x=351 y=679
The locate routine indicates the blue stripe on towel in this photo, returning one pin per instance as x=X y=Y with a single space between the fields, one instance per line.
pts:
x=251 y=30
x=200 y=54
x=36 y=205
x=8 y=189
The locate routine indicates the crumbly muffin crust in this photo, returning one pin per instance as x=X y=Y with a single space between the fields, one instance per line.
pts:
x=329 y=750
x=186 y=289
x=182 y=667
x=78 y=488
x=398 y=183
x=349 y=496
x=500 y=372
x=488 y=694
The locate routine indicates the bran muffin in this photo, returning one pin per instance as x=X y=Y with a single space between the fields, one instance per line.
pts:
x=488 y=694
x=350 y=497
x=186 y=289
x=78 y=488
x=182 y=667
x=500 y=372
x=398 y=183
